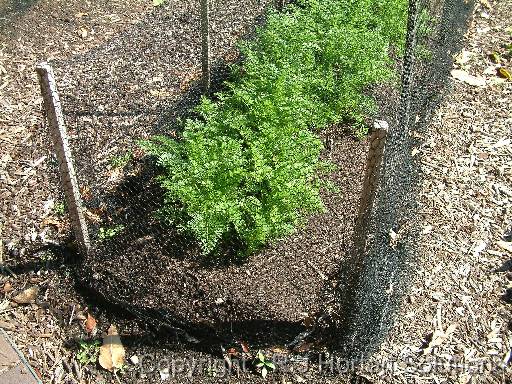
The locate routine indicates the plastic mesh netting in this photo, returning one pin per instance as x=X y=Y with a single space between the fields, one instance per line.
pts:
x=381 y=269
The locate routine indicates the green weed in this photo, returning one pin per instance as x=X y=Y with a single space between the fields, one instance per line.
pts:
x=60 y=208
x=264 y=364
x=121 y=161
x=88 y=352
x=110 y=232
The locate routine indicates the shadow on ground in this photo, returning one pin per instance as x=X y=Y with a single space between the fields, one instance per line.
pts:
x=11 y=10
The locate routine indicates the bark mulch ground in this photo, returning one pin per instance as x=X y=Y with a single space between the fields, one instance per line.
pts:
x=454 y=326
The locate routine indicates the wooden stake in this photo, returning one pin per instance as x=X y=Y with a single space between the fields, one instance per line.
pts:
x=59 y=137
x=280 y=4
x=205 y=45
x=373 y=168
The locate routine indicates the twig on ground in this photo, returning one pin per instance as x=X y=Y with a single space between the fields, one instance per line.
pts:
x=2 y=265
x=317 y=270
x=72 y=315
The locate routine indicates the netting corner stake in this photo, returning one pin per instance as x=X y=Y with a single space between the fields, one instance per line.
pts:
x=59 y=136
x=377 y=144
x=205 y=45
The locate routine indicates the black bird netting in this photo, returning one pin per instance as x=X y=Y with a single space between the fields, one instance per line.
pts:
x=381 y=269
x=345 y=272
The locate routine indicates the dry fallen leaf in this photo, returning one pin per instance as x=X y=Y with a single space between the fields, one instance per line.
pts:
x=490 y=70
x=91 y=216
x=486 y=4
x=245 y=347
x=112 y=352
x=90 y=324
x=82 y=33
x=7 y=326
x=465 y=77
x=479 y=248
x=28 y=296
x=50 y=221
x=463 y=57
x=465 y=378
x=505 y=245
x=505 y=73
x=439 y=337
x=7 y=287
x=309 y=321
x=427 y=229
x=86 y=193
x=502 y=143
x=159 y=93
x=280 y=350
x=304 y=347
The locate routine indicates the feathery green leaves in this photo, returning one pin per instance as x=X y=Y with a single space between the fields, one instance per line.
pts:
x=248 y=166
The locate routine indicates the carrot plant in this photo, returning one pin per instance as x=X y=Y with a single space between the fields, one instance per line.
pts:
x=248 y=165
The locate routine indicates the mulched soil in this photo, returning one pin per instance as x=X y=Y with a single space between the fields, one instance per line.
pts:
x=153 y=63
x=462 y=279
x=251 y=295
x=32 y=31
x=458 y=304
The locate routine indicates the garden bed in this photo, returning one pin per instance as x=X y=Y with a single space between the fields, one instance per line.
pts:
x=266 y=299
x=49 y=330
x=135 y=260
x=270 y=295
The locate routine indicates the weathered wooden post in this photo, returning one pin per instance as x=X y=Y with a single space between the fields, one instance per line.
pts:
x=59 y=137
x=373 y=167
x=205 y=44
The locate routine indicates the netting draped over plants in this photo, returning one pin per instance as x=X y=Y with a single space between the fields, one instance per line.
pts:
x=139 y=85
x=262 y=184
